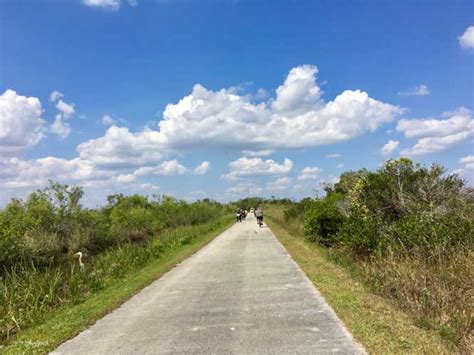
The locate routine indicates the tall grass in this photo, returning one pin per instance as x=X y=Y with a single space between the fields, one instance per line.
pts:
x=27 y=293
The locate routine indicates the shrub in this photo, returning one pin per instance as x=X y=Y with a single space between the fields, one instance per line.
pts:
x=323 y=219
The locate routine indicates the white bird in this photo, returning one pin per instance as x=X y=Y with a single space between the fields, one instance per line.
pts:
x=81 y=264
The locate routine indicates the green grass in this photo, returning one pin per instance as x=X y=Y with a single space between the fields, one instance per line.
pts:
x=375 y=322
x=66 y=322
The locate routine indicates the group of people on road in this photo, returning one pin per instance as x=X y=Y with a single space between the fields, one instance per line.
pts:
x=241 y=214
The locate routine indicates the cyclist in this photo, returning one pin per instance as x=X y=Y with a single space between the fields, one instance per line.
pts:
x=259 y=215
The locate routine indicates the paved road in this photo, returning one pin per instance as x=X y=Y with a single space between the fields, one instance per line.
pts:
x=242 y=293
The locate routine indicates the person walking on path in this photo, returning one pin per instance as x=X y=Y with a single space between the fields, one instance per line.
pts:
x=239 y=215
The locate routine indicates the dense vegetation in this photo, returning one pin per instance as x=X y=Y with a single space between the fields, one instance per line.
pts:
x=407 y=231
x=39 y=237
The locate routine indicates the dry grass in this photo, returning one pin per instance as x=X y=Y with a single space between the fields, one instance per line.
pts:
x=439 y=293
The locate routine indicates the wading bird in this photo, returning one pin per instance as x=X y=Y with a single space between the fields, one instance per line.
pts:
x=81 y=264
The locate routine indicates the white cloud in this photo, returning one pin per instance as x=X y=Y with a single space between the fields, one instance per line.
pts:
x=460 y=120
x=467 y=162
x=67 y=110
x=466 y=170
x=280 y=184
x=257 y=153
x=122 y=148
x=148 y=186
x=420 y=90
x=333 y=156
x=340 y=165
x=21 y=125
x=202 y=168
x=16 y=173
x=55 y=95
x=297 y=118
x=167 y=168
x=467 y=39
x=60 y=127
x=389 y=147
x=107 y=120
x=126 y=178
x=113 y=5
x=437 y=135
x=250 y=167
x=309 y=173
x=299 y=93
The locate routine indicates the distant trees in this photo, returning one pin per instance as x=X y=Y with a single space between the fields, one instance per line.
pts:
x=51 y=223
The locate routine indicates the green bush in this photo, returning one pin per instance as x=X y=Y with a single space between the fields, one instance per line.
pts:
x=323 y=219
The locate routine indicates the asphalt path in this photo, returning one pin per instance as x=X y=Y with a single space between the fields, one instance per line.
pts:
x=242 y=293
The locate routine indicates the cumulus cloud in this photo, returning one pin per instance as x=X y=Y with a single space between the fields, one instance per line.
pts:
x=21 y=125
x=249 y=167
x=296 y=118
x=467 y=162
x=435 y=135
x=420 y=90
x=299 y=93
x=389 y=147
x=122 y=148
x=166 y=168
x=202 y=168
x=36 y=173
x=55 y=95
x=467 y=39
x=309 y=173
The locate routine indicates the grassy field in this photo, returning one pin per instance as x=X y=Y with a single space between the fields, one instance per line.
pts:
x=374 y=321
x=61 y=324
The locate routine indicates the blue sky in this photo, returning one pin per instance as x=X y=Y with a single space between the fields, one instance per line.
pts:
x=284 y=86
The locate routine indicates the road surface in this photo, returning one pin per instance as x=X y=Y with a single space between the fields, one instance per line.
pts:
x=241 y=294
